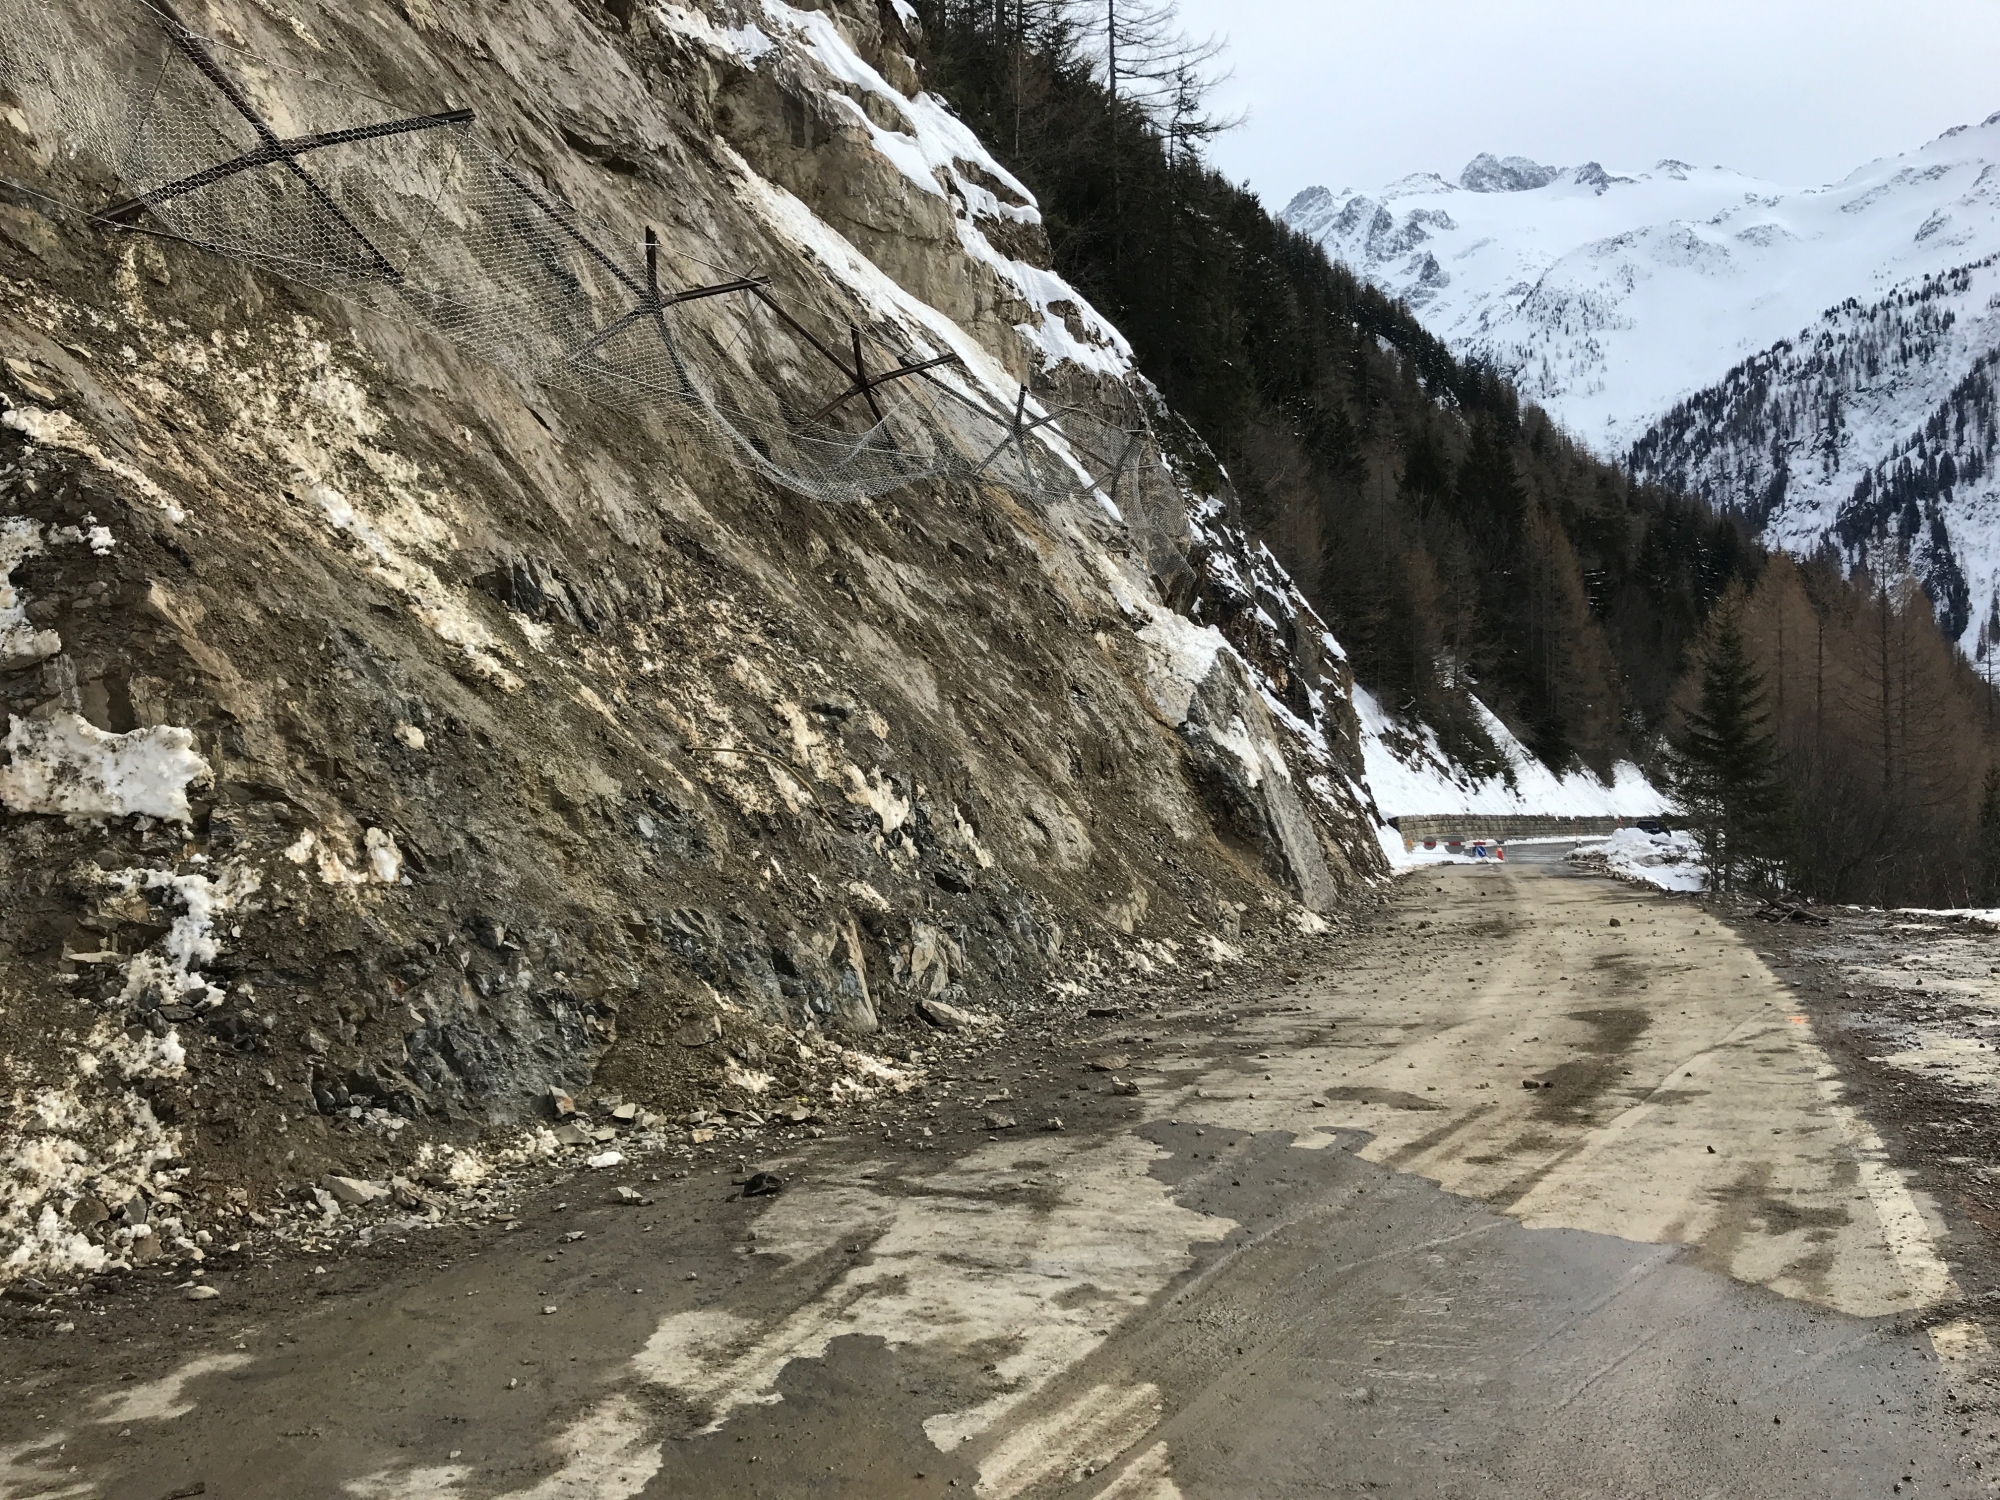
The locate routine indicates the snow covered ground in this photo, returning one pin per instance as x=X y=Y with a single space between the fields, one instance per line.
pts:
x=1976 y=916
x=1670 y=861
x=1410 y=775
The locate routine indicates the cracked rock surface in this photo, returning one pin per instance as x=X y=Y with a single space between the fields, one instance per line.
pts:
x=390 y=743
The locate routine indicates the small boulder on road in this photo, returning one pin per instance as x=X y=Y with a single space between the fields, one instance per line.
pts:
x=355 y=1192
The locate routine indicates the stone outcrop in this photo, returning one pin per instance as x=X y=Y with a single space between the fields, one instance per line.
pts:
x=527 y=746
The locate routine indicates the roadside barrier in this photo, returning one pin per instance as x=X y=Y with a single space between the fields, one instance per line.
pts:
x=1432 y=829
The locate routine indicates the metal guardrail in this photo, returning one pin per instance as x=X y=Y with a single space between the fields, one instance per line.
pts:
x=1464 y=828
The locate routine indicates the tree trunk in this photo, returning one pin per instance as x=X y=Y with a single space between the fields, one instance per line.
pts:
x=1888 y=753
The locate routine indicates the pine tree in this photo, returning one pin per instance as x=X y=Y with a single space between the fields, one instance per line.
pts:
x=1492 y=501
x=1725 y=771
x=1989 y=837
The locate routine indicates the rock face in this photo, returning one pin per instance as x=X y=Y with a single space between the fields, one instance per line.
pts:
x=1241 y=759
x=1487 y=173
x=476 y=741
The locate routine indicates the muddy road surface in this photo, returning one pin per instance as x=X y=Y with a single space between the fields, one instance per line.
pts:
x=1536 y=1185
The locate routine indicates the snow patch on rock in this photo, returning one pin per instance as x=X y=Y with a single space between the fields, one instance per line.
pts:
x=20 y=643
x=172 y=974
x=77 y=1142
x=55 y=429
x=68 y=765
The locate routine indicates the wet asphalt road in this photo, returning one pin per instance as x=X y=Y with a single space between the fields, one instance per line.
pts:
x=1333 y=1247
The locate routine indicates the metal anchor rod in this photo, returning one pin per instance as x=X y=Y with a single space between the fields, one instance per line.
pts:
x=184 y=39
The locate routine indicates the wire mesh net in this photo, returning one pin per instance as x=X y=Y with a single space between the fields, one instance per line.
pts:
x=418 y=215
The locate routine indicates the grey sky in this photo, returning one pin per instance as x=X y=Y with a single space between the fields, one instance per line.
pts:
x=1798 y=91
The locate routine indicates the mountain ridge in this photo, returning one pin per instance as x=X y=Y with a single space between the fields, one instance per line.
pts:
x=1780 y=353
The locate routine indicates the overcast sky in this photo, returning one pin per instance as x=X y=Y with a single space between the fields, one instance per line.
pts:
x=1798 y=91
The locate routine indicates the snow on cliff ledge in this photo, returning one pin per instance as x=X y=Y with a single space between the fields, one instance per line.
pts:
x=69 y=765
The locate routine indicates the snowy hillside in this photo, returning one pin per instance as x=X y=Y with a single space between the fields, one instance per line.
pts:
x=1409 y=773
x=1875 y=427
x=1609 y=296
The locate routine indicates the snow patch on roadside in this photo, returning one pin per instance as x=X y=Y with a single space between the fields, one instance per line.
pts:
x=1671 y=861
x=94 y=1136
x=166 y=1398
x=63 y=1147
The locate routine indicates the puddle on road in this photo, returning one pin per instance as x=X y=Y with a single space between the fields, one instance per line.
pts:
x=1571 y=1090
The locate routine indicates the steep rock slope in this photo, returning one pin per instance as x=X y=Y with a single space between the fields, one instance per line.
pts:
x=393 y=739
x=1608 y=296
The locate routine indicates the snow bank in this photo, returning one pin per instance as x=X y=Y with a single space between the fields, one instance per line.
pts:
x=1670 y=861
x=69 y=765
x=1411 y=775
x=1978 y=916
x=62 y=1146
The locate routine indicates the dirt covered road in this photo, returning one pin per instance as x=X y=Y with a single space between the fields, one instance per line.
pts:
x=1534 y=1185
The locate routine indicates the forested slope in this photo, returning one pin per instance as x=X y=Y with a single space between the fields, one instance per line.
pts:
x=1451 y=535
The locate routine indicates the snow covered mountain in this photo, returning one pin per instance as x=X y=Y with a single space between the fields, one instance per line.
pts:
x=1560 y=277
x=1789 y=353
x=1875 y=428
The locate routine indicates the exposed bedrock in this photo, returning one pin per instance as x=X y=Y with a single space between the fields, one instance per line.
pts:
x=390 y=742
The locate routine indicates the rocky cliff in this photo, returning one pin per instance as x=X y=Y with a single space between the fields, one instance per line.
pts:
x=405 y=742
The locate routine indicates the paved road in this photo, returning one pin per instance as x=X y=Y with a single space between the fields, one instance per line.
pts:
x=1334 y=1246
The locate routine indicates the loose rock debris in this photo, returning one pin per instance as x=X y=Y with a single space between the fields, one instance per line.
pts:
x=1791 y=911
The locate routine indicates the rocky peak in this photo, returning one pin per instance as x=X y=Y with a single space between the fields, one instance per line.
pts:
x=1487 y=173
x=1308 y=202
x=1593 y=176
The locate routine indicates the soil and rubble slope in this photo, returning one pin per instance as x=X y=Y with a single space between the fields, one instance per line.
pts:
x=392 y=745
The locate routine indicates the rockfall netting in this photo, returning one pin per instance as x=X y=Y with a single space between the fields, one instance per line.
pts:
x=419 y=215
